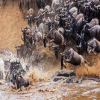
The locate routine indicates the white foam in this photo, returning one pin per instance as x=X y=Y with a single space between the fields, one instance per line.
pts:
x=94 y=90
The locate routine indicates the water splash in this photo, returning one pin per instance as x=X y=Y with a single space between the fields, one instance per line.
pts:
x=36 y=75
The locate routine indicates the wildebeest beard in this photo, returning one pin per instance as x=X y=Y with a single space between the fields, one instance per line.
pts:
x=24 y=34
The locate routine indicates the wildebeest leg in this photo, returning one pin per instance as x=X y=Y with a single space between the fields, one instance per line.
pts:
x=56 y=53
x=28 y=5
x=44 y=41
x=64 y=47
x=37 y=23
x=61 y=62
x=30 y=40
x=20 y=6
x=29 y=22
x=3 y=4
x=51 y=41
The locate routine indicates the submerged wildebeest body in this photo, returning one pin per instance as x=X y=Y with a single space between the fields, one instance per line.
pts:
x=21 y=81
x=15 y=75
x=93 y=45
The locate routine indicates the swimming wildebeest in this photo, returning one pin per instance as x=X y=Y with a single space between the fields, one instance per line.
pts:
x=20 y=81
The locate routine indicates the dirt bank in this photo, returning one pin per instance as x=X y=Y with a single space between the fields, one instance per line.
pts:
x=11 y=21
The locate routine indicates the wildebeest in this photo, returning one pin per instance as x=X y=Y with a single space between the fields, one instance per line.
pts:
x=54 y=3
x=85 y=37
x=37 y=36
x=44 y=26
x=4 y=2
x=20 y=81
x=56 y=49
x=72 y=57
x=80 y=23
x=40 y=16
x=92 y=32
x=26 y=31
x=92 y=23
x=40 y=3
x=73 y=11
x=31 y=15
x=24 y=50
x=61 y=31
x=93 y=45
x=47 y=10
x=56 y=37
x=76 y=29
x=79 y=16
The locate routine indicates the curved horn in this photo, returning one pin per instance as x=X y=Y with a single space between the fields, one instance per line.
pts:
x=21 y=29
x=22 y=38
x=15 y=46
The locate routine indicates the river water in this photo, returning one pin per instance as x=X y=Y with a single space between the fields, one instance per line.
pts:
x=44 y=88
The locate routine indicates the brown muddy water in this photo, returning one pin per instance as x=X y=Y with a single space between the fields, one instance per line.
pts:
x=42 y=86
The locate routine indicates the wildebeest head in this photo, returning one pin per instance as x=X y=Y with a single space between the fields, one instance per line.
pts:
x=68 y=55
x=25 y=31
x=29 y=19
x=91 y=45
x=50 y=35
x=92 y=4
x=14 y=73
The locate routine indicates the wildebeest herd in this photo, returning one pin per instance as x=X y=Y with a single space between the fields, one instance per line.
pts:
x=62 y=23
